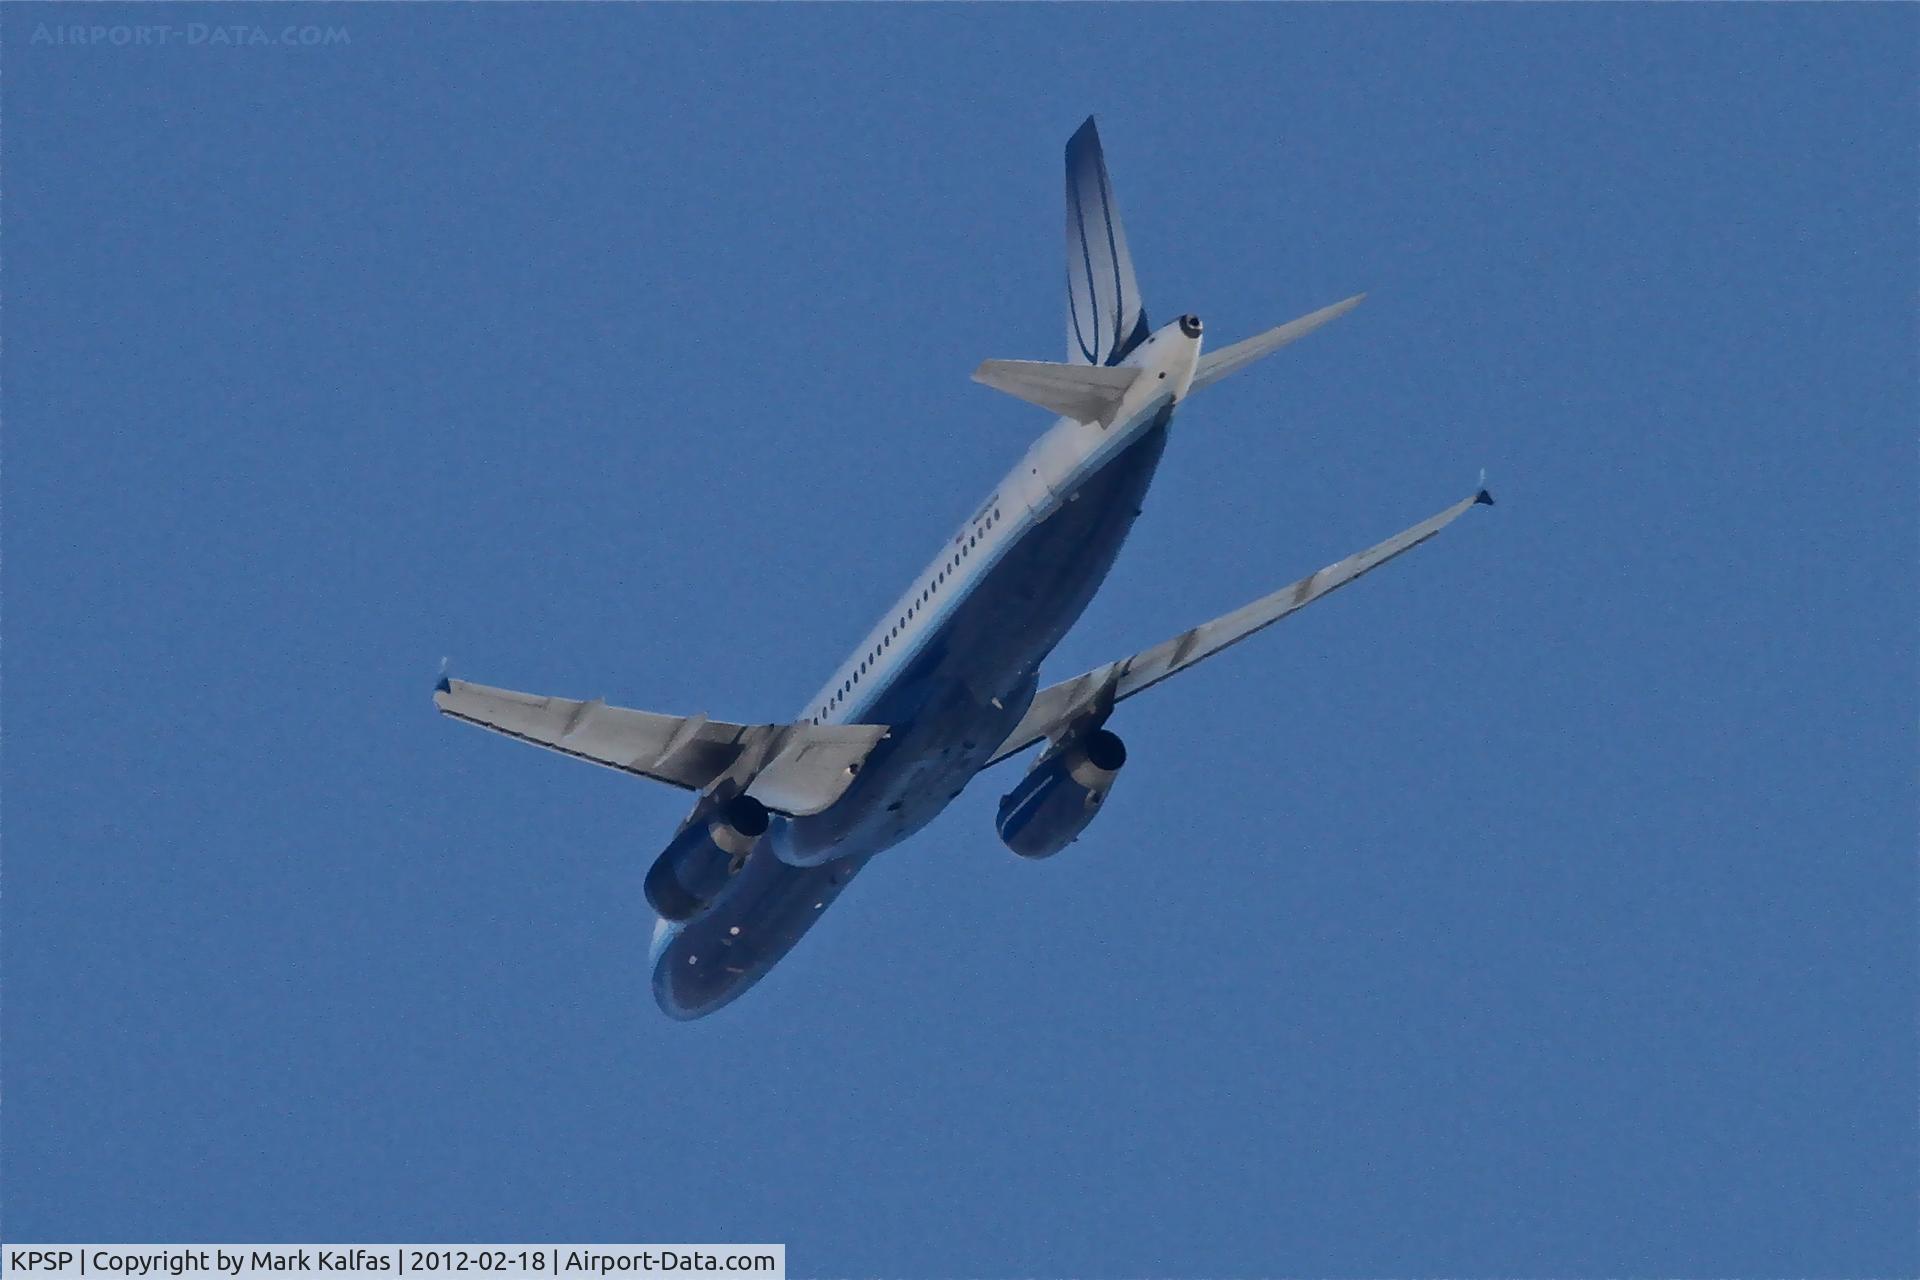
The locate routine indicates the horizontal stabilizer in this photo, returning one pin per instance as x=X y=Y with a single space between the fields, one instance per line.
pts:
x=790 y=768
x=1227 y=360
x=1085 y=393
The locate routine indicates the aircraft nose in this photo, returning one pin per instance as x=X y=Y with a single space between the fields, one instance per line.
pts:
x=1190 y=325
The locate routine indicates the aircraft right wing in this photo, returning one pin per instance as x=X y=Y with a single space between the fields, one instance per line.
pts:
x=1058 y=707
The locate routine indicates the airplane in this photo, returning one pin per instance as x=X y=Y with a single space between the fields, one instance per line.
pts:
x=947 y=683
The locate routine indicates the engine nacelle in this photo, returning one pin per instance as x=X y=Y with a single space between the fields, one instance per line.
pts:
x=695 y=867
x=1053 y=804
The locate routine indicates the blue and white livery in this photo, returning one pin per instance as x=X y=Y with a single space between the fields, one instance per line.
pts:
x=947 y=683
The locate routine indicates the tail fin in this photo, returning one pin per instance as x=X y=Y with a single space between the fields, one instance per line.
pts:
x=1104 y=317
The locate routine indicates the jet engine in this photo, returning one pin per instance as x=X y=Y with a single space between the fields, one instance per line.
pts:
x=1053 y=804
x=695 y=867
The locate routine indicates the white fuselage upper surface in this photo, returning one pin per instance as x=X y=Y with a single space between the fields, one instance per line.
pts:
x=1052 y=470
x=949 y=669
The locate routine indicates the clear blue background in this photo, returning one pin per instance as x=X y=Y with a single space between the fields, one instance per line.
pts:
x=1543 y=905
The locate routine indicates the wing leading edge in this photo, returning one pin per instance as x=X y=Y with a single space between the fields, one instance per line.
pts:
x=1057 y=708
x=790 y=768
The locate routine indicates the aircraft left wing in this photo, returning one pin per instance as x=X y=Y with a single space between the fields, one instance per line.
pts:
x=1059 y=707
x=790 y=768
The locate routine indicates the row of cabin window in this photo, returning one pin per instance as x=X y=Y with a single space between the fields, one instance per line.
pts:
x=902 y=621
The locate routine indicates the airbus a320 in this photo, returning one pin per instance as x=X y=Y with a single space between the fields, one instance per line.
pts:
x=947 y=683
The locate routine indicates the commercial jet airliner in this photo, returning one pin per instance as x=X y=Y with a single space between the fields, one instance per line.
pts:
x=947 y=683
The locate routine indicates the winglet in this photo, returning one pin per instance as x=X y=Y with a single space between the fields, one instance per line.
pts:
x=1483 y=498
x=444 y=685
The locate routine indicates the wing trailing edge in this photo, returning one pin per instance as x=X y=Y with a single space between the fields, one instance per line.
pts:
x=790 y=768
x=1061 y=707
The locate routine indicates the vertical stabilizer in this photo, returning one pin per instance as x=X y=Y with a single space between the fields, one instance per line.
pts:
x=1104 y=317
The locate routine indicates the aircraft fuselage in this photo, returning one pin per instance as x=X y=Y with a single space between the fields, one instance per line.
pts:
x=952 y=668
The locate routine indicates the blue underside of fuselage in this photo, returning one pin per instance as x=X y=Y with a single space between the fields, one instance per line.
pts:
x=949 y=709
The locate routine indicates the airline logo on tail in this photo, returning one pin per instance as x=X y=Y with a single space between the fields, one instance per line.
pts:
x=1104 y=317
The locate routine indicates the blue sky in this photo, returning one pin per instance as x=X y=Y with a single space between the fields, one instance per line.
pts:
x=1543 y=905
